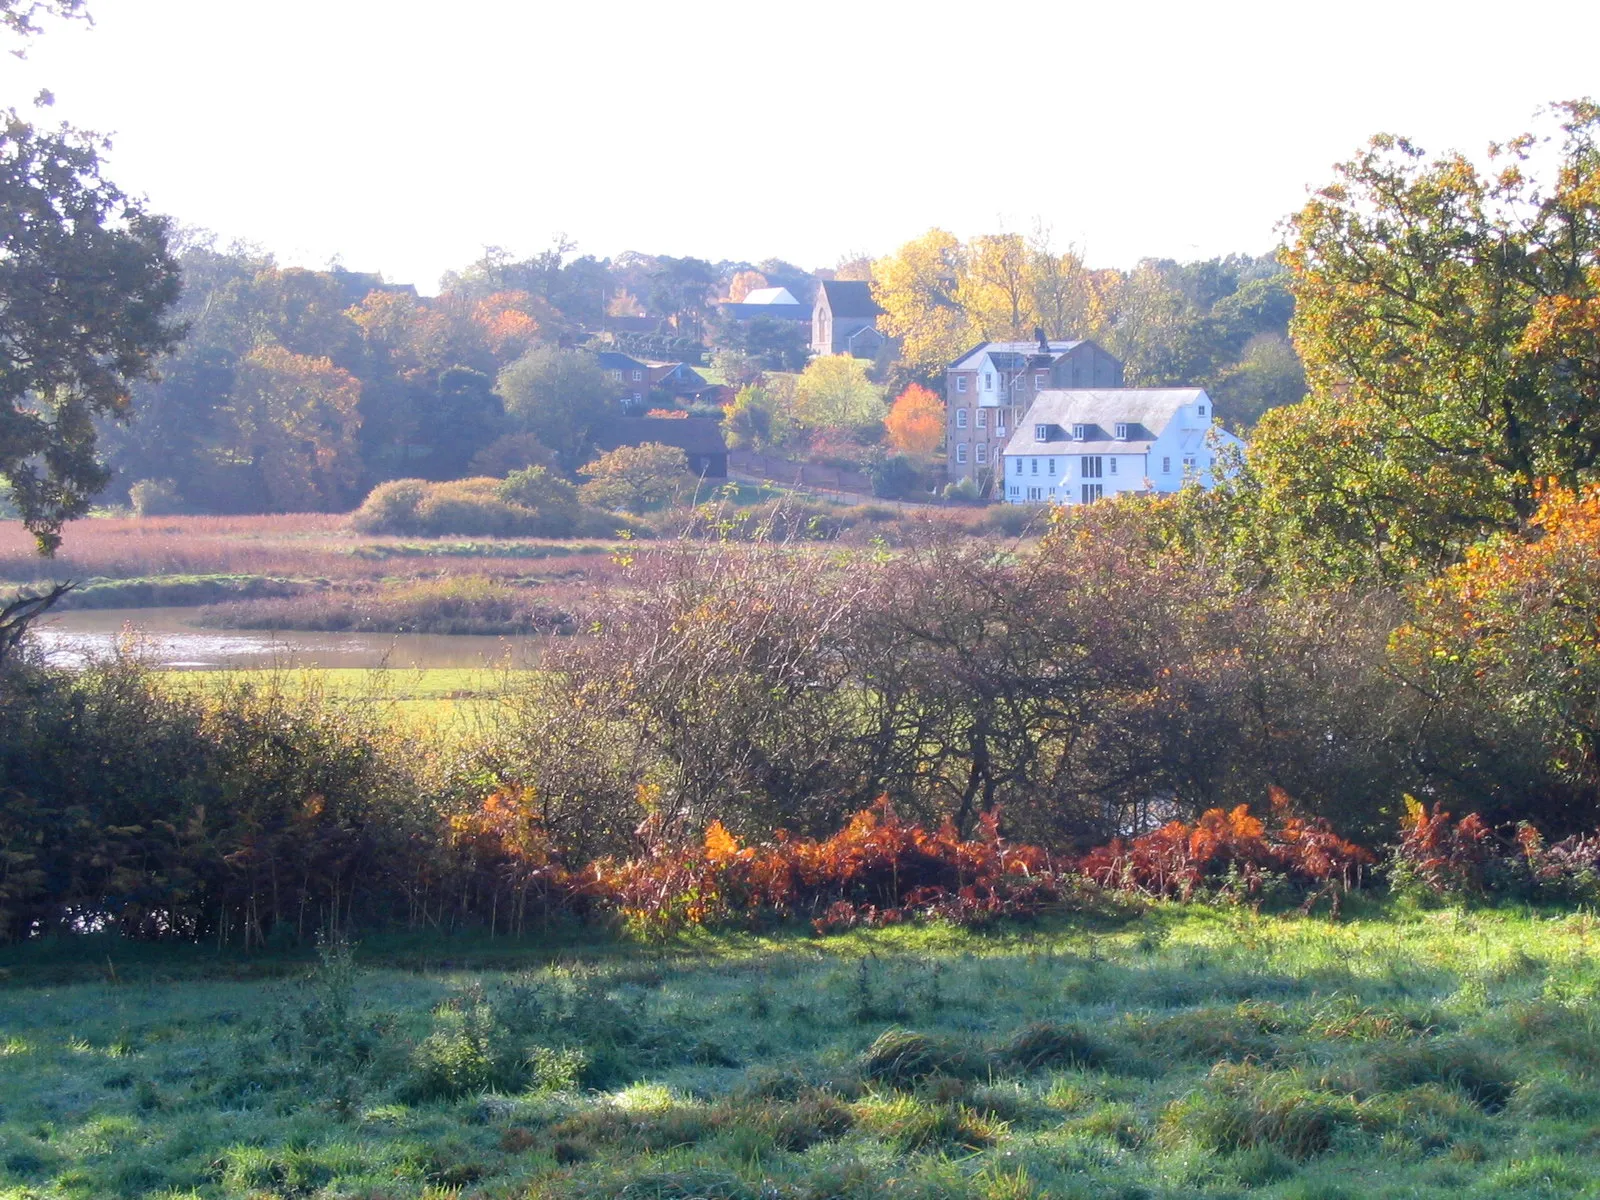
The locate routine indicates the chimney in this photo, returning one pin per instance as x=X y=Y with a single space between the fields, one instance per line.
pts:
x=1044 y=342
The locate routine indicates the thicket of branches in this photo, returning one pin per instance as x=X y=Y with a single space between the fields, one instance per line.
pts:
x=1096 y=683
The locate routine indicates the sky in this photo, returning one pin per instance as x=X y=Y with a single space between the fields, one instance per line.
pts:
x=405 y=137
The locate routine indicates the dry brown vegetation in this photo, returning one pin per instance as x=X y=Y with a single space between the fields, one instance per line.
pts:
x=300 y=545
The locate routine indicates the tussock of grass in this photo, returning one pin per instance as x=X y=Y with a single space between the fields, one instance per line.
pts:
x=1051 y=1061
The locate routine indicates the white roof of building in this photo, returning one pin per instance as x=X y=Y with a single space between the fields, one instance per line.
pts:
x=777 y=295
x=1145 y=411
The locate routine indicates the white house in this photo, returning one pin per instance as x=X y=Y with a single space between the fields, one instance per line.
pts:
x=1077 y=446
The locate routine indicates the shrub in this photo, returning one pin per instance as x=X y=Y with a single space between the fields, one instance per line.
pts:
x=528 y=503
x=390 y=507
x=155 y=498
x=1232 y=852
x=1438 y=857
x=895 y=477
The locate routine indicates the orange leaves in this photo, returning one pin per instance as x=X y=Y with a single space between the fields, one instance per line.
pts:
x=1229 y=848
x=916 y=421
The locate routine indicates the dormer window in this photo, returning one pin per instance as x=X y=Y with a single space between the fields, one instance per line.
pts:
x=988 y=382
x=1079 y=432
x=1040 y=381
x=1041 y=433
x=1201 y=410
x=1122 y=431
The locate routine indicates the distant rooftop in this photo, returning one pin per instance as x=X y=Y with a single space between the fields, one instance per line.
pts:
x=1009 y=354
x=778 y=295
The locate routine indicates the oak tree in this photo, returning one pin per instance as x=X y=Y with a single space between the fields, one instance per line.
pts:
x=86 y=286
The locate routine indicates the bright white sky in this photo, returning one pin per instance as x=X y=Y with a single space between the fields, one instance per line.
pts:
x=404 y=137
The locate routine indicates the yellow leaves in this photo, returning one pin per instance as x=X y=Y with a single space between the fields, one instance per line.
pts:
x=1414 y=812
x=721 y=846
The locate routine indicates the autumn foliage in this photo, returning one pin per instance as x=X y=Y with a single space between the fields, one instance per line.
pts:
x=1232 y=848
x=915 y=421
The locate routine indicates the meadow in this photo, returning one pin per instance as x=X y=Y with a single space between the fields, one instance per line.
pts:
x=1139 y=1051
x=308 y=571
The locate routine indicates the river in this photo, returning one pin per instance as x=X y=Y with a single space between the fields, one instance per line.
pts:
x=167 y=639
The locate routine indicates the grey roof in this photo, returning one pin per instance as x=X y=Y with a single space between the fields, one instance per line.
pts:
x=765 y=312
x=771 y=295
x=693 y=435
x=850 y=298
x=970 y=360
x=1146 y=412
x=613 y=360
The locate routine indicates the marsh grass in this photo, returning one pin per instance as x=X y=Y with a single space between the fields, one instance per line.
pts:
x=1184 y=1052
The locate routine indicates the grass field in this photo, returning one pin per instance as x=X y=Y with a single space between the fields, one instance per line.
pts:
x=1173 y=1052
x=440 y=698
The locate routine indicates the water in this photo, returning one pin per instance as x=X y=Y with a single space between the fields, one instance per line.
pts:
x=165 y=638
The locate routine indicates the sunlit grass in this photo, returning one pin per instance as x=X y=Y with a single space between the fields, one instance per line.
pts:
x=1177 y=1052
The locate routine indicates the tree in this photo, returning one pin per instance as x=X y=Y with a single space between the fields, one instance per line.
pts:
x=86 y=285
x=835 y=393
x=916 y=421
x=744 y=283
x=20 y=17
x=1268 y=375
x=1449 y=321
x=635 y=478
x=559 y=396
x=1060 y=287
x=918 y=287
x=997 y=287
x=774 y=345
x=297 y=419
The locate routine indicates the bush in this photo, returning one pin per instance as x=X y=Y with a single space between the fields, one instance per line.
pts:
x=390 y=507
x=155 y=498
x=895 y=477
x=528 y=503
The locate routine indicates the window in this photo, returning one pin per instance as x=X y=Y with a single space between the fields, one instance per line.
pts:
x=1041 y=433
x=1018 y=461
x=1201 y=410
x=983 y=418
x=1035 y=493
x=1050 y=467
x=983 y=452
x=1033 y=466
x=1089 y=466
x=1166 y=466
x=638 y=397
x=1078 y=432
x=1111 y=466
x=1016 y=490
x=1188 y=463
x=961 y=418
x=637 y=376
x=1122 y=431
x=999 y=424
x=617 y=375
x=988 y=382
x=961 y=452
x=1041 y=380
x=1092 y=492
x=961 y=383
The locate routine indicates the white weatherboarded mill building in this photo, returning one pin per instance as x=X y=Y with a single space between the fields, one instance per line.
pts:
x=1080 y=445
